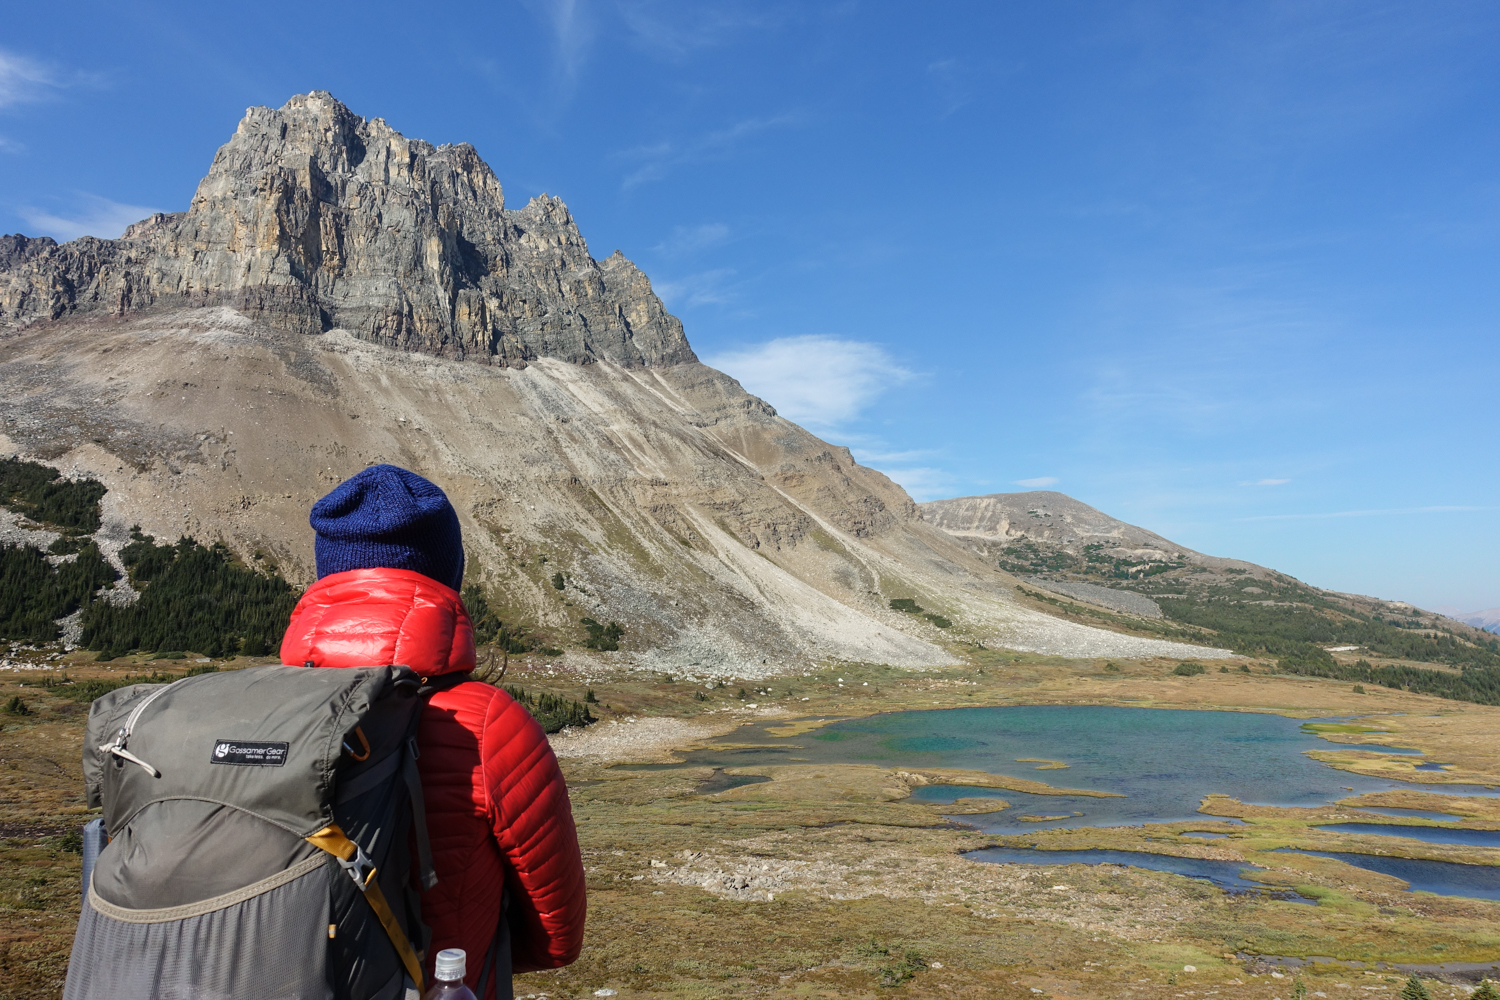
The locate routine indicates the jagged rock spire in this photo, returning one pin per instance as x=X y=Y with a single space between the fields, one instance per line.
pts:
x=313 y=218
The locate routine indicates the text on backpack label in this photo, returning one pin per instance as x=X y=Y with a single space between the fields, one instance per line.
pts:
x=253 y=752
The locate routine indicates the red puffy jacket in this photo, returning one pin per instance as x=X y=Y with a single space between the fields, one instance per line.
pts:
x=497 y=807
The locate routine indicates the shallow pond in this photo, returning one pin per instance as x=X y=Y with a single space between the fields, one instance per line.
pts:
x=1411 y=814
x=1426 y=834
x=1225 y=874
x=1162 y=761
x=1444 y=878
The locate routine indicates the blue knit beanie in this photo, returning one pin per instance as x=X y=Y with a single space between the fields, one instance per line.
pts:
x=388 y=517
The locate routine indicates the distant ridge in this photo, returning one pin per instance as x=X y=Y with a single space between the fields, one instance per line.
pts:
x=1489 y=619
x=1085 y=557
x=1052 y=518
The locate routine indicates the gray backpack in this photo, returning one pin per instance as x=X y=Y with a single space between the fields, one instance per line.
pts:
x=260 y=826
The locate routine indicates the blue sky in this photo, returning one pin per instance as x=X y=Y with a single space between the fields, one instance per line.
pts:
x=1227 y=271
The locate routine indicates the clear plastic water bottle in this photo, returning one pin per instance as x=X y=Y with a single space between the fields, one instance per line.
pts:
x=448 y=977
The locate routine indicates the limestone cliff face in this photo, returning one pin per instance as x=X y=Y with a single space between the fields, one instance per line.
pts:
x=312 y=218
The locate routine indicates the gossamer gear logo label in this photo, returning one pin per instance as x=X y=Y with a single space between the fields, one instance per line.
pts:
x=253 y=752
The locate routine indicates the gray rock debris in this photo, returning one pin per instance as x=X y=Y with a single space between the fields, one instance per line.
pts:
x=1104 y=597
x=312 y=218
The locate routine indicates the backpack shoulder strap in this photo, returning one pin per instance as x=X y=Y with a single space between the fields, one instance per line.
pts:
x=413 y=779
x=354 y=861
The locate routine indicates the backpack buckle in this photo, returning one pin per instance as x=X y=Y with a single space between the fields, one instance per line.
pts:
x=360 y=868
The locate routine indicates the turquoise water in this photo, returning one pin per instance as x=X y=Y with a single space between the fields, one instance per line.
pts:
x=1426 y=834
x=1163 y=761
x=1158 y=763
x=1442 y=877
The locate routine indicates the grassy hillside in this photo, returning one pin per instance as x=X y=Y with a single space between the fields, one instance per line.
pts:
x=1267 y=614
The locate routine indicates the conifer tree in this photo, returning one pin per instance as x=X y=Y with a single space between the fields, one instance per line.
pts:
x=193 y=597
x=1414 y=990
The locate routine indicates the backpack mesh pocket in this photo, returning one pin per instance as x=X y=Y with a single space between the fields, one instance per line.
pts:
x=268 y=941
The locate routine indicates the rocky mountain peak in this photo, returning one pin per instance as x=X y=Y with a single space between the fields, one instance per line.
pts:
x=313 y=218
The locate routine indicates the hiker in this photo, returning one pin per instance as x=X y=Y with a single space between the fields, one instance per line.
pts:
x=510 y=882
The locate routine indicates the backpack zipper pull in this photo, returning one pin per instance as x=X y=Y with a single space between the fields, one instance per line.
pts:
x=118 y=746
x=120 y=751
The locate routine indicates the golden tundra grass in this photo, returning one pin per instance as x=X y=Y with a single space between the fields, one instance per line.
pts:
x=871 y=880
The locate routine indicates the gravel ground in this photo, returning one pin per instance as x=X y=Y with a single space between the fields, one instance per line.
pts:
x=12 y=532
x=1034 y=632
x=646 y=741
x=1104 y=597
x=846 y=868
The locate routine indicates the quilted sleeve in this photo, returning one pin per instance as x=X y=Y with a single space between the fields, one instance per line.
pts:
x=533 y=823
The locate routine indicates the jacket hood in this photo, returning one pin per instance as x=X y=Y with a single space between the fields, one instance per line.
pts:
x=373 y=617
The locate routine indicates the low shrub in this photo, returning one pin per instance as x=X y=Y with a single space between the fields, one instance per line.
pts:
x=605 y=638
x=892 y=968
x=552 y=712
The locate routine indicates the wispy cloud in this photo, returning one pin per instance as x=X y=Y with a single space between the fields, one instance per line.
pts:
x=675 y=30
x=573 y=29
x=949 y=80
x=692 y=239
x=818 y=381
x=1264 y=482
x=922 y=483
x=92 y=216
x=1039 y=481
x=872 y=454
x=704 y=289
x=655 y=161
x=1201 y=344
x=23 y=79
x=1365 y=513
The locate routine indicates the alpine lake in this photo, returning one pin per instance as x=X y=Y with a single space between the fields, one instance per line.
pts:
x=1018 y=826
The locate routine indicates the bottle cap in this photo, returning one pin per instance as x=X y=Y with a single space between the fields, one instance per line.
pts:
x=450 y=964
